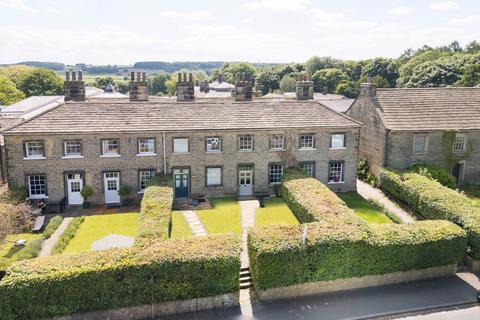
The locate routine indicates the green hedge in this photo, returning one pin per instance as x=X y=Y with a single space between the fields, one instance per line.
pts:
x=52 y=225
x=430 y=171
x=67 y=235
x=341 y=245
x=100 y=280
x=434 y=201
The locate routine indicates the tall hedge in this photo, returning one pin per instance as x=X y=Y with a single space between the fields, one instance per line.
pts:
x=99 y=280
x=434 y=201
x=339 y=244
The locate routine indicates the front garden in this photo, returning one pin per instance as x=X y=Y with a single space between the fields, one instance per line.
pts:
x=363 y=208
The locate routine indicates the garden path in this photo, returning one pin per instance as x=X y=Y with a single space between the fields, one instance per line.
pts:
x=369 y=192
x=247 y=208
x=48 y=244
x=194 y=223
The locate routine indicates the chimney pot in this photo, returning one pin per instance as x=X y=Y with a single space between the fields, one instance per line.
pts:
x=190 y=77
x=67 y=76
x=80 y=75
x=74 y=76
x=132 y=76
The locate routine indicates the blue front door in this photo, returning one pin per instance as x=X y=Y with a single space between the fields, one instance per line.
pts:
x=181 y=185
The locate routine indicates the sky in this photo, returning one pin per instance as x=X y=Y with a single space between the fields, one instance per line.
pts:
x=122 y=32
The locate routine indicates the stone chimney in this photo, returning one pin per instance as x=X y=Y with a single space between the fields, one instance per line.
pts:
x=138 y=87
x=304 y=88
x=74 y=88
x=244 y=87
x=185 y=90
x=368 y=88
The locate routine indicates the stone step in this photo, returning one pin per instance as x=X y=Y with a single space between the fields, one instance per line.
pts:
x=247 y=279
x=245 y=273
x=246 y=285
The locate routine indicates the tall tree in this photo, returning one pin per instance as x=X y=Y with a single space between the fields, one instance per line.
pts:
x=315 y=64
x=328 y=79
x=157 y=83
x=385 y=68
x=8 y=92
x=41 y=82
x=288 y=84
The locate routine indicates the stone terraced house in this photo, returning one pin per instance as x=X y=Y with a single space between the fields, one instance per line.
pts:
x=405 y=126
x=230 y=146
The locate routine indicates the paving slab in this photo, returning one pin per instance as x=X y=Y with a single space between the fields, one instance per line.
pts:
x=194 y=223
x=48 y=244
x=113 y=241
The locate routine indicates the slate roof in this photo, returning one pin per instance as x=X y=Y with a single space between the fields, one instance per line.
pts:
x=339 y=105
x=430 y=108
x=167 y=115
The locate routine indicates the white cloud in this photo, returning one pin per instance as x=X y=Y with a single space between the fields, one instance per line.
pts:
x=444 y=5
x=187 y=16
x=400 y=11
x=467 y=21
x=331 y=21
x=51 y=9
x=278 y=5
x=16 y=4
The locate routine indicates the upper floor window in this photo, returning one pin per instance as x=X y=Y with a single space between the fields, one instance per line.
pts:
x=180 y=145
x=214 y=177
x=420 y=143
x=37 y=186
x=335 y=171
x=34 y=150
x=275 y=172
x=277 y=142
x=213 y=144
x=337 y=141
x=143 y=177
x=245 y=143
x=146 y=146
x=72 y=148
x=307 y=141
x=459 y=142
x=111 y=147
x=308 y=168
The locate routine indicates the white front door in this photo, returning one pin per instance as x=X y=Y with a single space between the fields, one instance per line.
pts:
x=74 y=186
x=111 y=182
x=245 y=182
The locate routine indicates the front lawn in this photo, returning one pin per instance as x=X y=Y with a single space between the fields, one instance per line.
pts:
x=275 y=212
x=180 y=227
x=99 y=226
x=10 y=253
x=363 y=208
x=223 y=217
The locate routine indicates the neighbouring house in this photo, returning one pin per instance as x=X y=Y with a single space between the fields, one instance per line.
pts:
x=233 y=146
x=405 y=126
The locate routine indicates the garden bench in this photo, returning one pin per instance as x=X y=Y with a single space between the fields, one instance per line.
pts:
x=39 y=221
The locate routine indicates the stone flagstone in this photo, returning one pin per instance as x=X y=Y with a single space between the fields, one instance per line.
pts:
x=194 y=223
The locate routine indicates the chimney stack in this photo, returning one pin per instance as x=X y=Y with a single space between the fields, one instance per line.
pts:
x=244 y=87
x=204 y=86
x=138 y=87
x=304 y=87
x=74 y=89
x=368 y=88
x=185 y=90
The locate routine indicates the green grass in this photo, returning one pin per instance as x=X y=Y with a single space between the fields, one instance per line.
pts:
x=275 y=212
x=180 y=228
x=10 y=253
x=363 y=208
x=99 y=226
x=224 y=217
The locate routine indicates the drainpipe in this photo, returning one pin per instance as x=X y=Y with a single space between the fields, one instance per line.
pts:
x=164 y=155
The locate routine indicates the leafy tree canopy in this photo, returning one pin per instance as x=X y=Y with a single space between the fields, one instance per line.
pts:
x=9 y=93
x=41 y=82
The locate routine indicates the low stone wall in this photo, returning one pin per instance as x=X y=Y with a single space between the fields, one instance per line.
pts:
x=151 y=311
x=473 y=265
x=311 y=288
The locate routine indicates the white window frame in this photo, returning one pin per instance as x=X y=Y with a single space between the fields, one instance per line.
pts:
x=210 y=144
x=29 y=182
x=279 y=169
x=243 y=145
x=425 y=149
x=302 y=137
x=332 y=139
x=218 y=182
x=273 y=142
x=150 y=143
x=106 y=146
x=176 y=140
x=464 y=143
x=39 y=145
x=143 y=180
x=308 y=163
x=341 y=172
x=75 y=155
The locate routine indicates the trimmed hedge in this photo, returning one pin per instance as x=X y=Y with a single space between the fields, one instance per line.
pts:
x=100 y=280
x=67 y=235
x=52 y=225
x=340 y=244
x=434 y=201
x=430 y=171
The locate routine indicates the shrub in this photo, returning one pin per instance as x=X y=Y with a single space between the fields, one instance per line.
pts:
x=31 y=249
x=52 y=225
x=434 y=172
x=17 y=194
x=86 y=192
x=434 y=201
x=124 y=190
x=67 y=235
x=99 y=280
x=14 y=218
x=363 y=169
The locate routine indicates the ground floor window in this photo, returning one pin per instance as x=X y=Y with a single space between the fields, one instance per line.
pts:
x=214 y=177
x=275 y=172
x=335 y=171
x=143 y=177
x=37 y=186
x=308 y=168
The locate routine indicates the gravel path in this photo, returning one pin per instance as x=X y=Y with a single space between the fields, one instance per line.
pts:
x=48 y=244
x=194 y=223
x=369 y=192
x=247 y=208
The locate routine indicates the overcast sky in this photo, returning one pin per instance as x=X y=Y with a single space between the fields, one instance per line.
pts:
x=122 y=32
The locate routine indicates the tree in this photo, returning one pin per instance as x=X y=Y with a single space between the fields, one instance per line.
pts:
x=348 y=88
x=385 y=68
x=288 y=84
x=315 y=64
x=171 y=87
x=230 y=70
x=437 y=73
x=16 y=73
x=328 y=79
x=8 y=92
x=41 y=82
x=102 y=82
x=471 y=76
x=270 y=77
x=473 y=47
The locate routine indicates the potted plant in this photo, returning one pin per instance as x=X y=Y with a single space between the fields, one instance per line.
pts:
x=86 y=192
x=123 y=192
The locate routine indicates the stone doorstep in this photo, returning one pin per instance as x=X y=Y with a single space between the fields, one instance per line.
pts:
x=474 y=265
x=149 y=311
x=319 y=287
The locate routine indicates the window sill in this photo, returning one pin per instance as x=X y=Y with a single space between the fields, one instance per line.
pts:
x=246 y=150
x=72 y=157
x=307 y=149
x=146 y=154
x=140 y=192
x=277 y=150
x=34 y=158
x=419 y=153
x=110 y=155
x=38 y=197
x=180 y=153
x=214 y=187
x=333 y=182
x=213 y=152
x=274 y=184
x=343 y=148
